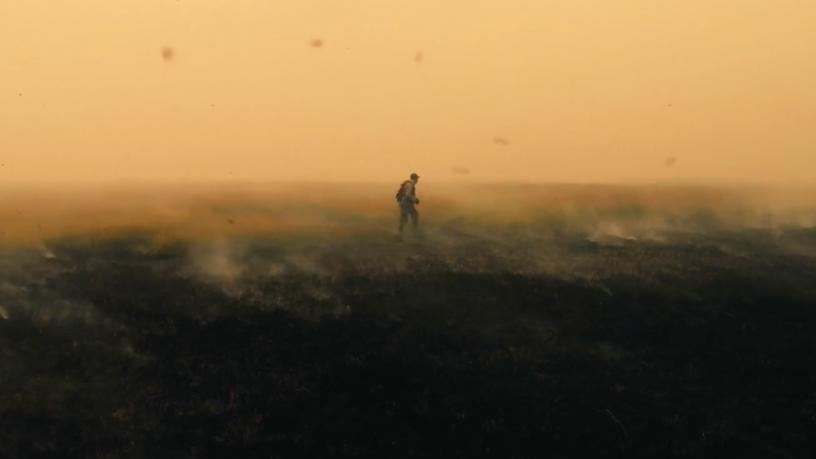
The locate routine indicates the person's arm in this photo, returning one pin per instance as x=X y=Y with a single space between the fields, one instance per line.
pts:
x=410 y=190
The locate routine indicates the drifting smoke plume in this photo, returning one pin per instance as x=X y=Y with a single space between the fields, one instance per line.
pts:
x=245 y=240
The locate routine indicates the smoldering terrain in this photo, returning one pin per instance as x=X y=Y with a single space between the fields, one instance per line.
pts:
x=523 y=321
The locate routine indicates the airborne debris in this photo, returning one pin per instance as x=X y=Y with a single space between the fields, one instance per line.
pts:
x=460 y=171
x=418 y=58
x=168 y=54
x=316 y=43
x=670 y=161
x=501 y=141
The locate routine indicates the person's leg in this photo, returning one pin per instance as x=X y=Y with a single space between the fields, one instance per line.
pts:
x=403 y=218
x=414 y=218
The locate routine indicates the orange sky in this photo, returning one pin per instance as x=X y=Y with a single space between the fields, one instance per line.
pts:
x=580 y=88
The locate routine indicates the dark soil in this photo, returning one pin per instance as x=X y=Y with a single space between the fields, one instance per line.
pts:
x=698 y=347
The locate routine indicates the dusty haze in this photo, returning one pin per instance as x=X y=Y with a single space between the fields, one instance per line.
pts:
x=367 y=90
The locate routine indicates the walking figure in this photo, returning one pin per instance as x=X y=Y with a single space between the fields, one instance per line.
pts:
x=406 y=197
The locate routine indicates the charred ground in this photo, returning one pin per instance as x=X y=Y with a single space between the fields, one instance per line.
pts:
x=507 y=341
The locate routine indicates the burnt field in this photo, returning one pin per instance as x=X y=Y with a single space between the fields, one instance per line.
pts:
x=533 y=339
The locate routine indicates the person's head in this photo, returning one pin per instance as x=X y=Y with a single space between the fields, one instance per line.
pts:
x=414 y=178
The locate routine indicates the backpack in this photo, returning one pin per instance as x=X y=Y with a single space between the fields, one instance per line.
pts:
x=401 y=191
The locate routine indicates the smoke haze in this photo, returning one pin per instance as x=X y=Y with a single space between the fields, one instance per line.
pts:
x=584 y=91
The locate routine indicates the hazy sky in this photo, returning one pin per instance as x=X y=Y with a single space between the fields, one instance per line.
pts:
x=584 y=90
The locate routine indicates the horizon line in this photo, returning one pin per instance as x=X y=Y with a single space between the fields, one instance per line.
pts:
x=468 y=182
